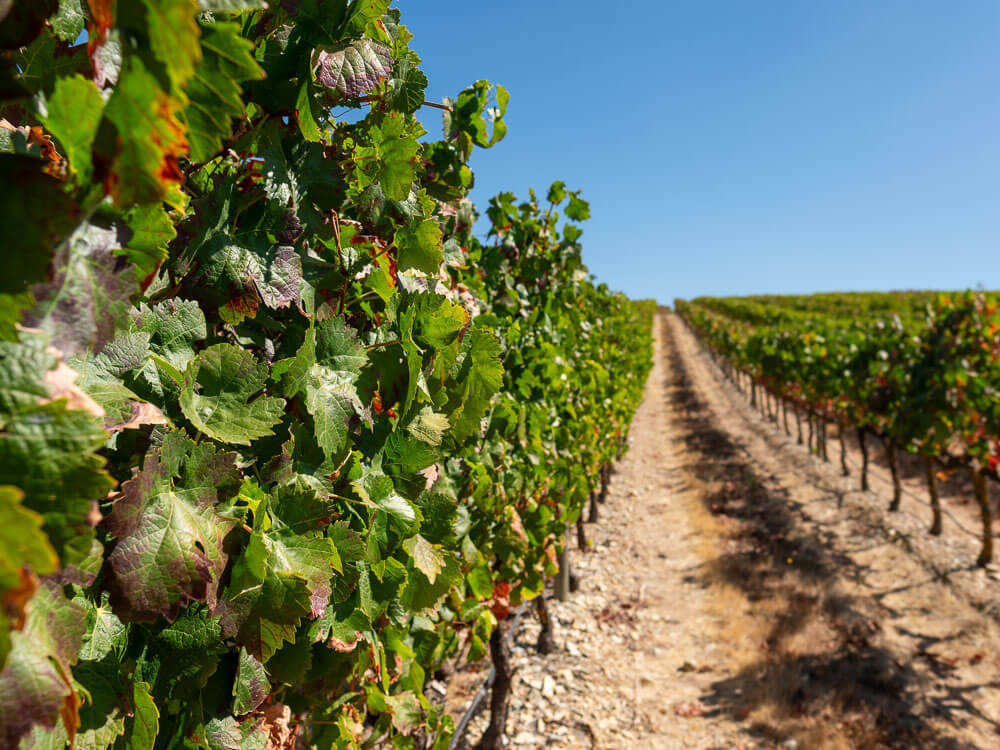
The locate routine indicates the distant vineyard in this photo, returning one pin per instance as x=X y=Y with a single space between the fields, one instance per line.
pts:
x=918 y=370
x=278 y=432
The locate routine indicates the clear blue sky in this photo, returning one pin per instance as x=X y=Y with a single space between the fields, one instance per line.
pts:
x=740 y=147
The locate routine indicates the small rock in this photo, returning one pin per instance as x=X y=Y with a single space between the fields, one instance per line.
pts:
x=526 y=738
x=548 y=686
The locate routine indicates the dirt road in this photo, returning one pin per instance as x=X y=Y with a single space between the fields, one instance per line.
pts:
x=737 y=595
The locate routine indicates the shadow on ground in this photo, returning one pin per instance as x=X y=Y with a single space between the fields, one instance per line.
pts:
x=848 y=687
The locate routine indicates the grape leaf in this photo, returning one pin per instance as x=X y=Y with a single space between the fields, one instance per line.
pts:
x=387 y=160
x=353 y=67
x=481 y=376
x=74 y=112
x=152 y=229
x=426 y=559
x=214 y=90
x=145 y=723
x=169 y=537
x=89 y=294
x=48 y=451
x=220 y=395
x=145 y=165
x=24 y=552
x=280 y=578
x=250 y=270
x=326 y=368
x=420 y=246
x=251 y=686
x=70 y=20
x=173 y=37
x=35 y=684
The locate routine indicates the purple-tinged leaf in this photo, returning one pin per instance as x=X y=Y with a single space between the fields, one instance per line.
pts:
x=353 y=67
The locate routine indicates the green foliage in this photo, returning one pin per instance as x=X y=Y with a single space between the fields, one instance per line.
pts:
x=275 y=426
x=918 y=368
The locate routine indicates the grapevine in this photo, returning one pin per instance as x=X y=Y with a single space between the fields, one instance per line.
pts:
x=279 y=433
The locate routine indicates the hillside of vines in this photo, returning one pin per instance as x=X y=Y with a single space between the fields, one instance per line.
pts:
x=279 y=431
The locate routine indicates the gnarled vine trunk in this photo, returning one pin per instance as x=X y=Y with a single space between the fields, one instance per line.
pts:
x=935 y=529
x=843 y=450
x=982 y=497
x=798 y=424
x=546 y=636
x=897 y=490
x=500 y=656
x=864 y=459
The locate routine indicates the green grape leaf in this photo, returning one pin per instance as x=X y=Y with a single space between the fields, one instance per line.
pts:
x=102 y=715
x=426 y=559
x=280 y=578
x=251 y=270
x=388 y=160
x=420 y=593
x=220 y=395
x=48 y=451
x=35 y=684
x=24 y=551
x=557 y=192
x=428 y=426
x=173 y=36
x=214 y=90
x=353 y=67
x=105 y=633
x=408 y=86
x=363 y=12
x=334 y=358
x=145 y=165
x=22 y=542
x=169 y=550
x=251 y=686
x=183 y=655
x=152 y=230
x=74 y=112
x=377 y=489
x=577 y=209
x=174 y=326
x=481 y=376
x=406 y=712
x=88 y=296
x=145 y=722
x=420 y=246
x=70 y=20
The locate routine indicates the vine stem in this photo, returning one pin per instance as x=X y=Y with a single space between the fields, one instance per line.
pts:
x=384 y=343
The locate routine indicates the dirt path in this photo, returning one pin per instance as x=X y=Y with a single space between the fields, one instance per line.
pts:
x=731 y=599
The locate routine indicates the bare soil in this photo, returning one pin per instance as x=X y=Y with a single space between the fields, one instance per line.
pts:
x=738 y=593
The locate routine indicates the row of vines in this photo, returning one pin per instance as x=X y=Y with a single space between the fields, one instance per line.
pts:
x=918 y=371
x=278 y=432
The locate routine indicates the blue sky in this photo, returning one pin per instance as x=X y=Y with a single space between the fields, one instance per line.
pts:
x=745 y=147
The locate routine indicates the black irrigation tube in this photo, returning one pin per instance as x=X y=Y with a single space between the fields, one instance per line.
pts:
x=481 y=693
